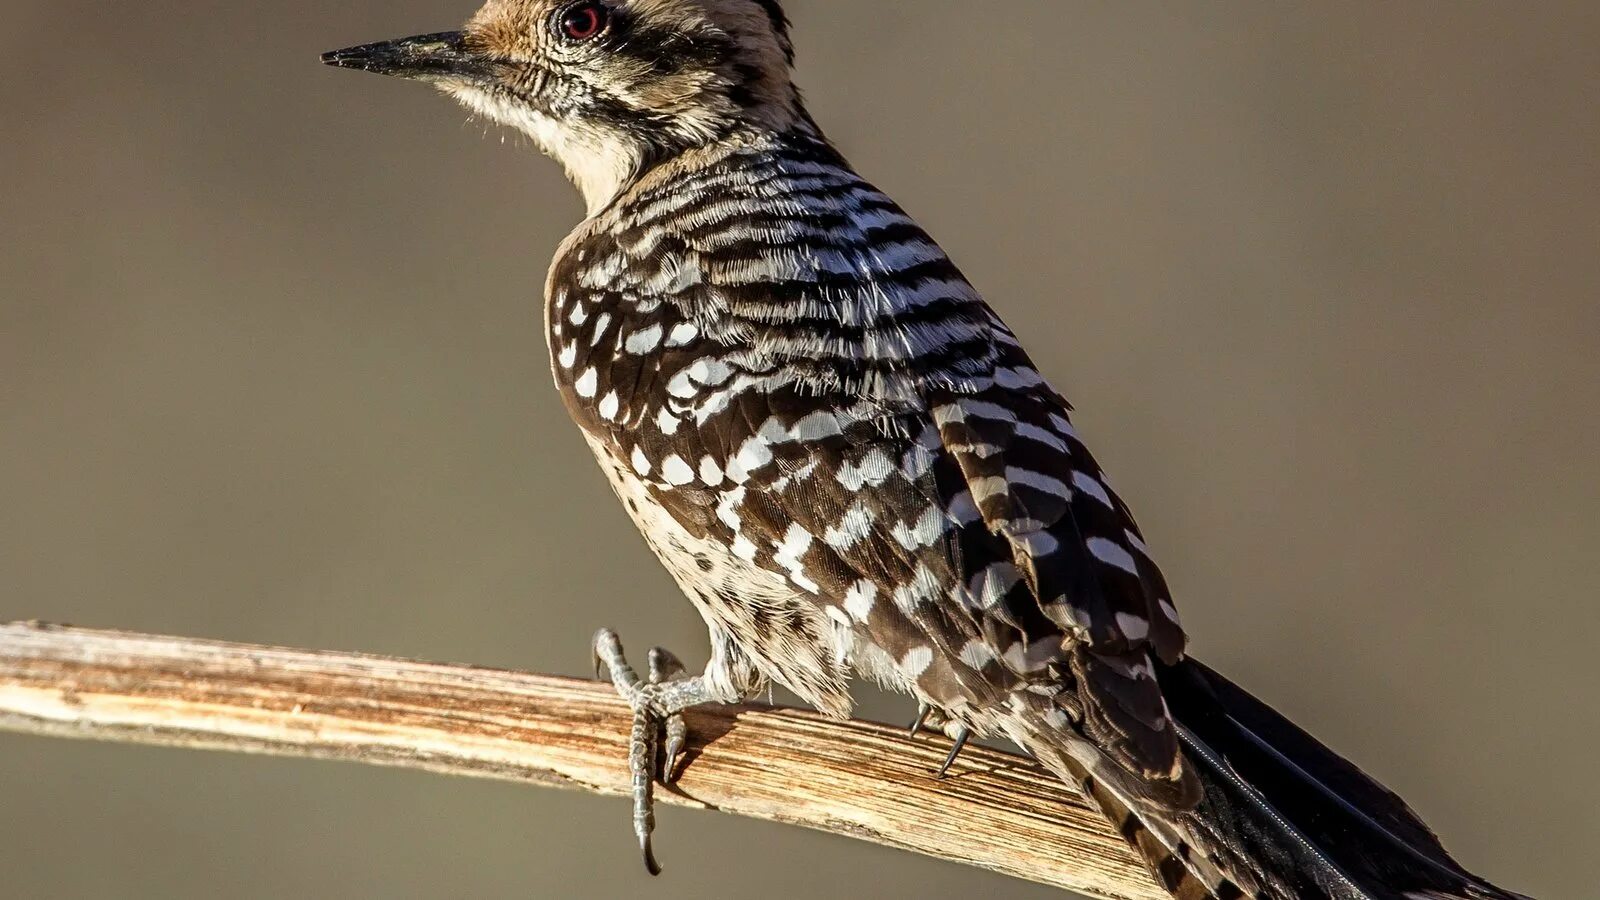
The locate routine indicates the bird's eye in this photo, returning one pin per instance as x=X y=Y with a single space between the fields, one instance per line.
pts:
x=584 y=21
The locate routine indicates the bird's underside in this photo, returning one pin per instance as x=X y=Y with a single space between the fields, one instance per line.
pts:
x=850 y=465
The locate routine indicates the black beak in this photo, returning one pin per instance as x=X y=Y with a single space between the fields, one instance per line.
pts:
x=426 y=57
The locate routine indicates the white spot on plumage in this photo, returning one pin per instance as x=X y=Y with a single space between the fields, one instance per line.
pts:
x=816 y=427
x=1016 y=658
x=1111 y=553
x=1038 y=543
x=682 y=335
x=602 y=272
x=963 y=509
x=643 y=341
x=789 y=479
x=923 y=589
x=928 y=527
x=916 y=662
x=754 y=455
x=728 y=508
x=569 y=356
x=991 y=585
x=667 y=422
x=710 y=372
x=1134 y=628
x=1168 y=610
x=587 y=384
x=859 y=599
x=676 y=471
x=714 y=404
x=610 y=406
x=710 y=473
x=641 y=463
x=1039 y=435
x=601 y=325
x=1039 y=482
x=796 y=541
x=994 y=412
x=682 y=385
x=1018 y=379
x=917 y=462
x=852 y=529
x=1090 y=485
x=1136 y=543
x=874 y=468
x=977 y=654
x=578 y=315
x=1032 y=657
x=744 y=549
x=773 y=431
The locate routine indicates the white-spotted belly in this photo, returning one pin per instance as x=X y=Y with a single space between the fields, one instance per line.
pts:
x=783 y=632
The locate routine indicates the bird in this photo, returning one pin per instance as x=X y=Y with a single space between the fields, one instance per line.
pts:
x=851 y=466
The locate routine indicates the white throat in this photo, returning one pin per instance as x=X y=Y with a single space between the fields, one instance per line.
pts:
x=598 y=165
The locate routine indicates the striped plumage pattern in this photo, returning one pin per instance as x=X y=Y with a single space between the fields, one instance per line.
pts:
x=850 y=465
x=793 y=370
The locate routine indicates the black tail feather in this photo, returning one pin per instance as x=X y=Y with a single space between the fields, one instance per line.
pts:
x=1306 y=817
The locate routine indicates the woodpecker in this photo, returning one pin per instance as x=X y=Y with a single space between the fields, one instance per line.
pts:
x=850 y=465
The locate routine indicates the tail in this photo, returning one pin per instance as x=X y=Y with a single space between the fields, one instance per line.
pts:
x=1282 y=816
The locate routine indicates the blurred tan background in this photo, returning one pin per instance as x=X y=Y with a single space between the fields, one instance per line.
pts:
x=1323 y=279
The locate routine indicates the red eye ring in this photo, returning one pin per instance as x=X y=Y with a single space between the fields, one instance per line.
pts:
x=584 y=21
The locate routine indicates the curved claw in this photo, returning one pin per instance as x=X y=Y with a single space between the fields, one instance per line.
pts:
x=650 y=864
x=673 y=749
x=961 y=744
x=609 y=659
x=664 y=665
x=923 y=712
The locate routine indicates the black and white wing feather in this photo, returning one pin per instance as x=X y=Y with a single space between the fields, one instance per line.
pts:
x=796 y=370
x=793 y=376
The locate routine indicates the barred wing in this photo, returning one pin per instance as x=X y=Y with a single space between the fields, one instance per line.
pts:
x=819 y=390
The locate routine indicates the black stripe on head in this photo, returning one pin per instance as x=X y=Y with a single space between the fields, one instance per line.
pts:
x=668 y=51
x=780 y=26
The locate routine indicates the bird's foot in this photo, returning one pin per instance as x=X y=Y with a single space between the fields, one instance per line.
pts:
x=658 y=704
x=931 y=719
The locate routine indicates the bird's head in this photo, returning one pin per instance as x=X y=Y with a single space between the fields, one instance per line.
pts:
x=609 y=87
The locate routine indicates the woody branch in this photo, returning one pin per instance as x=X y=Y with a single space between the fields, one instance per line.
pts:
x=866 y=781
